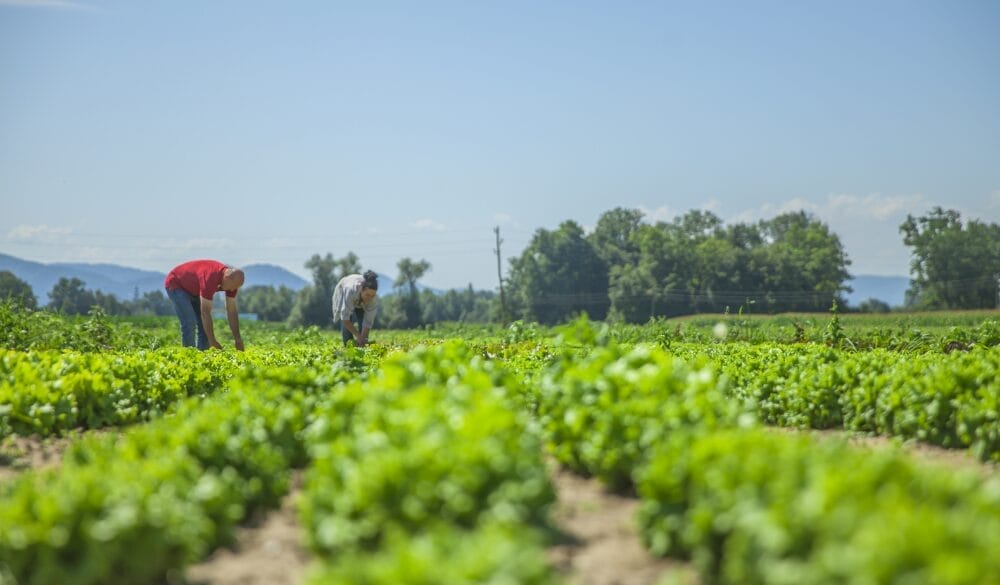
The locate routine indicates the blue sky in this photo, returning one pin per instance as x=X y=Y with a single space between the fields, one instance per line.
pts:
x=149 y=133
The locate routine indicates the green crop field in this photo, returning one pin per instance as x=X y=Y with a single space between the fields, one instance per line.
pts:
x=425 y=457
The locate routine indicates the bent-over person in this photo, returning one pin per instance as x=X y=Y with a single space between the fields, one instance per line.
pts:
x=354 y=306
x=191 y=287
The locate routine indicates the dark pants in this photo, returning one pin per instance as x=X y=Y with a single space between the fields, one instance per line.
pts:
x=188 y=309
x=359 y=317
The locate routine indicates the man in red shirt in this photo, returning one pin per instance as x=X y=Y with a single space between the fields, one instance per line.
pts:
x=191 y=287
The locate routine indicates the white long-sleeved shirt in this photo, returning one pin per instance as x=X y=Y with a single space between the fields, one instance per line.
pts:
x=347 y=298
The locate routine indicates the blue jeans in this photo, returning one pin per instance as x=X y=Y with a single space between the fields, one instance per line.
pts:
x=188 y=309
x=359 y=317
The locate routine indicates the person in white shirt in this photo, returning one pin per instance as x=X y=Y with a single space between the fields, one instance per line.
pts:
x=354 y=301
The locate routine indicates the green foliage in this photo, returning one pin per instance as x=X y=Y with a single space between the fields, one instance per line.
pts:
x=48 y=392
x=130 y=509
x=559 y=275
x=444 y=555
x=267 y=302
x=17 y=291
x=69 y=297
x=424 y=464
x=24 y=329
x=754 y=507
x=313 y=305
x=433 y=438
x=409 y=273
x=955 y=265
x=695 y=264
x=602 y=412
x=949 y=400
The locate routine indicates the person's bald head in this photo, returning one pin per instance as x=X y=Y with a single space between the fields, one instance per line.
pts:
x=232 y=279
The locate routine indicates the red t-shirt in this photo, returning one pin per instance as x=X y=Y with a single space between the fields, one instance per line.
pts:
x=202 y=278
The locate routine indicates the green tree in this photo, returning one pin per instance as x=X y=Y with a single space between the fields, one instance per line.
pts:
x=612 y=236
x=152 y=303
x=465 y=306
x=69 y=296
x=558 y=275
x=954 y=265
x=349 y=264
x=267 y=302
x=696 y=264
x=17 y=290
x=109 y=304
x=409 y=273
x=803 y=262
x=314 y=303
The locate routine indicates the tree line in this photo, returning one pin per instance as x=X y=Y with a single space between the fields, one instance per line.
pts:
x=632 y=271
x=312 y=305
x=628 y=270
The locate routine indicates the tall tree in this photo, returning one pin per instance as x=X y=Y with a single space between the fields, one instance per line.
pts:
x=558 y=275
x=805 y=264
x=612 y=236
x=349 y=264
x=314 y=304
x=16 y=290
x=267 y=302
x=69 y=296
x=409 y=273
x=954 y=265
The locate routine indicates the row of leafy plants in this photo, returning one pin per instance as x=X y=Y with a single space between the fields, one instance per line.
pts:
x=750 y=505
x=139 y=507
x=950 y=400
x=425 y=473
x=46 y=392
x=428 y=474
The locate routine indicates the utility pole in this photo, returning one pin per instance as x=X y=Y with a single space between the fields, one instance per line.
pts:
x=503 y=301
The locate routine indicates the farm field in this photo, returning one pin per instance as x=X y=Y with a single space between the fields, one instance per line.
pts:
x=711 y=449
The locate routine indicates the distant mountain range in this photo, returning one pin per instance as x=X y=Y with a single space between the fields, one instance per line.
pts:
x=125 y=282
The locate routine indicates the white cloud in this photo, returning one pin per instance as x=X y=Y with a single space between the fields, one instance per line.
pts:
x=870 y=208
x=665 y=213
x=37 y=233
x=876 y=206
x=713 y=205
x=428 y=224
x=662 y=213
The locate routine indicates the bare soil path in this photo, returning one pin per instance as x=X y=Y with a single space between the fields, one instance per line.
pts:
x=268 y=552
x=603 y=545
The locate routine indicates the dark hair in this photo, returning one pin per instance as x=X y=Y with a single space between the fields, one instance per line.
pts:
x=371 y=280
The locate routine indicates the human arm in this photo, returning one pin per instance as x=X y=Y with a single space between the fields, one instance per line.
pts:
x=358 y=339
x=206 y=323
x=233 y=315
x=368 y=322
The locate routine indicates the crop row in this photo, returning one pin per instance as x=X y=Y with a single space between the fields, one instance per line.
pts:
x=48 y=392
x=423 y=474
x=950 y=400
x=750 y=505
x=133 y=508
x=427 y=474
